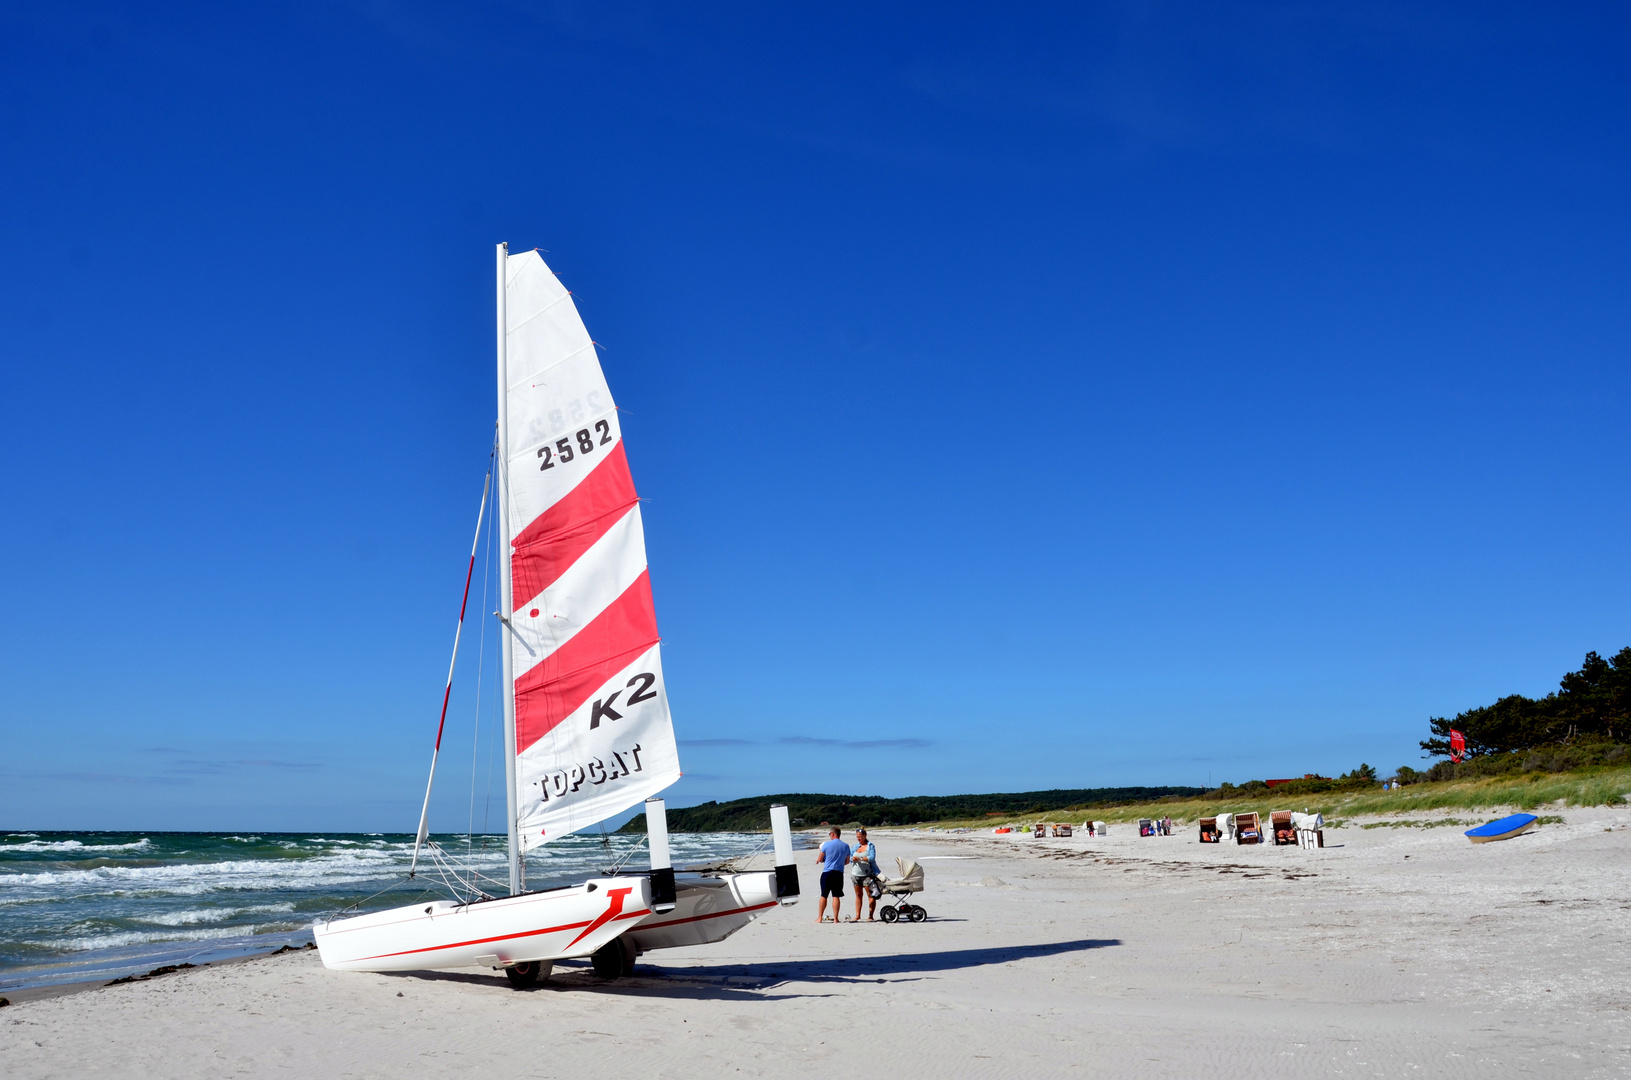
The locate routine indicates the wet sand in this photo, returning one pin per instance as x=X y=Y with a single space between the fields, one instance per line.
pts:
x=1394 y=951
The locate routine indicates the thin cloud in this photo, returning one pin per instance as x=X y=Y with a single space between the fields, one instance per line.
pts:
x=855 y=744
x=905 y=744
x=100 y=778
x=716 y=742
x=216 y=768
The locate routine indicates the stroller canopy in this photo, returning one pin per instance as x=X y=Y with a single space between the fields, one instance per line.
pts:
x=911 y=875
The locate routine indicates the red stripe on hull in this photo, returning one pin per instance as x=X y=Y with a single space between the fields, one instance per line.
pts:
x=525 y=933
x=710 y=915
x=558 y=685
x=613 y=910
x=557 y=537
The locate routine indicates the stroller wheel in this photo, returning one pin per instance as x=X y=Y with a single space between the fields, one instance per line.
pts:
x=918 y=914
x=888 y=914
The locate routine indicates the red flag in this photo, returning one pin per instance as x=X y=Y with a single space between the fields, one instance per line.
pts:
x=1458 y=745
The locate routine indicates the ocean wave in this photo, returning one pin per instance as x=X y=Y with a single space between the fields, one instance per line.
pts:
x=147 y=937
x=74 y=845
x=197 y=916
x=189 y=878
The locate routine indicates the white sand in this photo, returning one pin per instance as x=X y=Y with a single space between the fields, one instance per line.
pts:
x=1394 y=952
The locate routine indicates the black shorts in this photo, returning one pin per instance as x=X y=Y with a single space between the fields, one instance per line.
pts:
x=832 y=883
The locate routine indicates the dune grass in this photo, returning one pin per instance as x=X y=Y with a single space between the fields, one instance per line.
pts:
x=1525 y=791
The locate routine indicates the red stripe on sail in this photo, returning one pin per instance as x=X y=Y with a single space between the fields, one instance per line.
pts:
x=558 y=536
x=560 y=683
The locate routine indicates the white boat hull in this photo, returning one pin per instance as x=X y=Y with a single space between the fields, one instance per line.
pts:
x=707 y=908
x=553 y=925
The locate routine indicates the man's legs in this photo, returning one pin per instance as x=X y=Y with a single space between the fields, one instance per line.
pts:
x=835 y=889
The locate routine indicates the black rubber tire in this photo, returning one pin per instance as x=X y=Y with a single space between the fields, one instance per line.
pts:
x=523 y=976
x=888 y=914
x=608 y=960
x=918 y=914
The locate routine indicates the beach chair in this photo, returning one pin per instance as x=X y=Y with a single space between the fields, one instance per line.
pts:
x=897 y=890
x=1281 y=828
x=1248 y=829
x=1146 y=827
x=1210 y=833
x=1039 y=830
x=1062 y=830
x=1310 y=830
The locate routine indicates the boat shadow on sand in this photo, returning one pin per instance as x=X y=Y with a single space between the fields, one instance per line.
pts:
x=747 y=981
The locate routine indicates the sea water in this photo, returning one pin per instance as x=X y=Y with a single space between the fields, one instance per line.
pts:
x=78 y=906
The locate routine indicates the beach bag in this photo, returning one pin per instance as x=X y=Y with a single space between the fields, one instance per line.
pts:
x=874 y=887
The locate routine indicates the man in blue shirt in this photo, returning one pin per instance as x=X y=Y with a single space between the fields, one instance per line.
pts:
x=833 y=856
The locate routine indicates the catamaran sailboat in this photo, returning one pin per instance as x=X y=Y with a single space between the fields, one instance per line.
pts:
x=586 y=722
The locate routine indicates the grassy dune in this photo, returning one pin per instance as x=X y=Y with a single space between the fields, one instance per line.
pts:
x=1526 y=791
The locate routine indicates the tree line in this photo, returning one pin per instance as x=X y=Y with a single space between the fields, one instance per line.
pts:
x=1591 y=705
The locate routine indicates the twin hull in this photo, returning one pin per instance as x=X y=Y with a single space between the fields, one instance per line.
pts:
x=707 y=907
x=557 y=924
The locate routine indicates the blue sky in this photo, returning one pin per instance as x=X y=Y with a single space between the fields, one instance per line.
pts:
x=1090 y=395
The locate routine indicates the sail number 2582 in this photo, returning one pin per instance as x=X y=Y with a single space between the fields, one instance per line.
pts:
x=563 y=451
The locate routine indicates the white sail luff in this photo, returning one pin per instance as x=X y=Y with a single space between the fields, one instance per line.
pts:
x=504 y=612
x=592 y=729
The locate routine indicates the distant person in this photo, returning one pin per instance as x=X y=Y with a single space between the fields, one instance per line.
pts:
x=833 y=856
x=863 y=865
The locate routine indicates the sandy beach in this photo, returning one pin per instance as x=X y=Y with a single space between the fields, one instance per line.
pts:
x=1393 y=951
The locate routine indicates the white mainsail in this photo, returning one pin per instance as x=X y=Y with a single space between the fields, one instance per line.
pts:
x=592 y=734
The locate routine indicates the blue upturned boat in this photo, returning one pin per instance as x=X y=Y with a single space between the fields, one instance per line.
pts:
x=1504 y=829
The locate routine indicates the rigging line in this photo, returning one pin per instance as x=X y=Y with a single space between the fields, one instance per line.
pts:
x=762 y=845
x=458 y=631
x=481 y=673
x=629 y=854
x=364 y=900
x=493 y=743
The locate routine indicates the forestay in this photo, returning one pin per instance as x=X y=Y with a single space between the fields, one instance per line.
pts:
x=592 y=729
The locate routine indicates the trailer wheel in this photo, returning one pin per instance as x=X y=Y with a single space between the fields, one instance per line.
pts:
x=611 y=958
x=524 y=976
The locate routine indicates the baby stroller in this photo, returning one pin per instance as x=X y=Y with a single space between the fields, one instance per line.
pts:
x=898 y=889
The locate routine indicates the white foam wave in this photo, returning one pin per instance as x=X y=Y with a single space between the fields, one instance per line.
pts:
x=191 y=878
x=199 y=916
x=143 y=937
x=74 y=845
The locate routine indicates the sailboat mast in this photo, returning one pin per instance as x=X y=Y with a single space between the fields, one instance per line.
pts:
x=504 y=612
